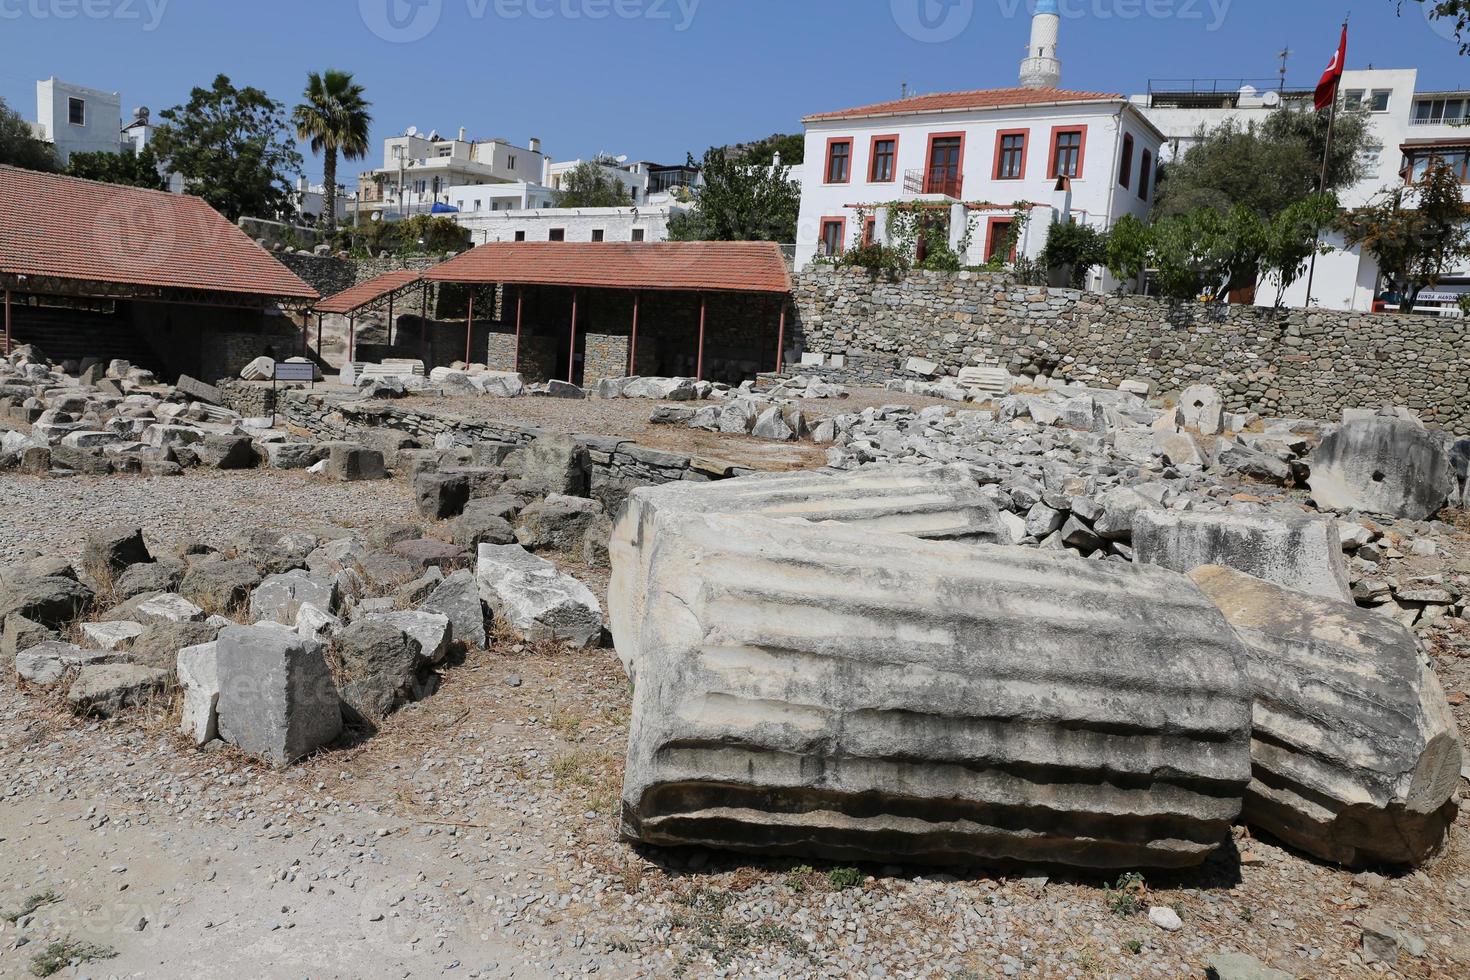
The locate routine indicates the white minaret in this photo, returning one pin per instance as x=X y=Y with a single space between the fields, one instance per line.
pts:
x=1041 y=68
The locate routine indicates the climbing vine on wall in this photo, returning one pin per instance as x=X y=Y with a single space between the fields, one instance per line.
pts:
x=910 y=223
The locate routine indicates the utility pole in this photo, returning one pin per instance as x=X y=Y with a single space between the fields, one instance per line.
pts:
x=1285 y=55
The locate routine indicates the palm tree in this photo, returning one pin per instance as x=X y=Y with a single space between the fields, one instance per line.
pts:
x=335 y=119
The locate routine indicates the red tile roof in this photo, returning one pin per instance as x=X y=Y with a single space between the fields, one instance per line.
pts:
x=354 y=298
x=67 y=228
x=747 y=267
x=989 y=98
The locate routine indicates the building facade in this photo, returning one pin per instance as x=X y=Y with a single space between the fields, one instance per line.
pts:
x=547 y=224
x=975 y=159
x=77 y=119
x=1408 y=129
x=418 y=171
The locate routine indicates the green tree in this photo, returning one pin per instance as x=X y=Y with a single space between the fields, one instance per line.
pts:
x=133 y=169
x=1206 y=253
x=589 y=185
x=1078 y=247
x=1416 y=233
x=233 y=148
x=19 y=146
x=1130 y=244
x=1292 y=237
x=1264 y=167
x=740 y=203
x=334 y=119
x=431 y=234
x=762 y=153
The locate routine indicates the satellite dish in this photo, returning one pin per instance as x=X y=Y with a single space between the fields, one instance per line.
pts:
x=622 y=158
x=412 y=131
x=1271 y=99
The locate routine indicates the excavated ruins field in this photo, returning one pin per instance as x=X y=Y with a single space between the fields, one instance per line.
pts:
x=476 y=834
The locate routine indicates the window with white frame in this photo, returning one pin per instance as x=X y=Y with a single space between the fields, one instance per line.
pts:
x=1428 y=112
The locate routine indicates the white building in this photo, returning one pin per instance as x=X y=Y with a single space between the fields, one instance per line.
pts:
x=77 y=119
x=632 y=177
x=1408 y=129
x=978 y=154
x=649 y=223
x=418 y=171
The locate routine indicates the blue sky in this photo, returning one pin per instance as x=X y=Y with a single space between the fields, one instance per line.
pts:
x=654 y=78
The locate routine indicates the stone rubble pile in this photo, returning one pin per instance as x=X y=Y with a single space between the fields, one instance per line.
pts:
x=1076 y=469
x=808 y=681
x=276 y=640
x=90 y=423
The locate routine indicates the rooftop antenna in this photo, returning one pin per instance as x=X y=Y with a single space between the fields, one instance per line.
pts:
x=904 y=92
x=1285 y=56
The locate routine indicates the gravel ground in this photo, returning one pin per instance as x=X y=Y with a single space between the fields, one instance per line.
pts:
x=52 y=515
x=477 y=835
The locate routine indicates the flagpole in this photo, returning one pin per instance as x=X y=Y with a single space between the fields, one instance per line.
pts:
x=1326 y=163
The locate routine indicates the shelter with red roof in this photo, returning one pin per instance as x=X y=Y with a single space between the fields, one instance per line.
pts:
x=584 y=311
x=163 y=280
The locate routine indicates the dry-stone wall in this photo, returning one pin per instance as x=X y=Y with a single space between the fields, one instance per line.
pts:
x=1310 y=363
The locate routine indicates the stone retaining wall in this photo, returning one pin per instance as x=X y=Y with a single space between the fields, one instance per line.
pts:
x=1311 y=363
x=618 y=465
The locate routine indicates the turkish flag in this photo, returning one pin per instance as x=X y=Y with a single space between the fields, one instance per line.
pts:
x=1327 y=87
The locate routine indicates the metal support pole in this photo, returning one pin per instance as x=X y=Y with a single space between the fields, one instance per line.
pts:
x=7 y=323
x=520 y=299
x=699 y=362
x=572 y=354
x=781 y=340
x=305 y=332
x=633 y=344
x=469 y=327
x=424 y=325
x=319 y=336
x=390 y=321
x=351 y=337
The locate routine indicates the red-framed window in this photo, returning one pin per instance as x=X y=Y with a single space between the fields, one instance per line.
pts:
x=944 y=168
x=1068 y=151
x=1145 y=174
x=883 y=160
x=1010 y=154
x=1125 y=169
x=839 y=161
x=834 y=236
x=996 y=233
x=870 y=229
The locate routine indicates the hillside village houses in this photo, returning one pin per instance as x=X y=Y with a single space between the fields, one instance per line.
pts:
x=975 y=156
x=505 y=193
x=1409 y=129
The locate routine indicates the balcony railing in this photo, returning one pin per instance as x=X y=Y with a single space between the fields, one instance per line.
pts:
x=944 y=182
